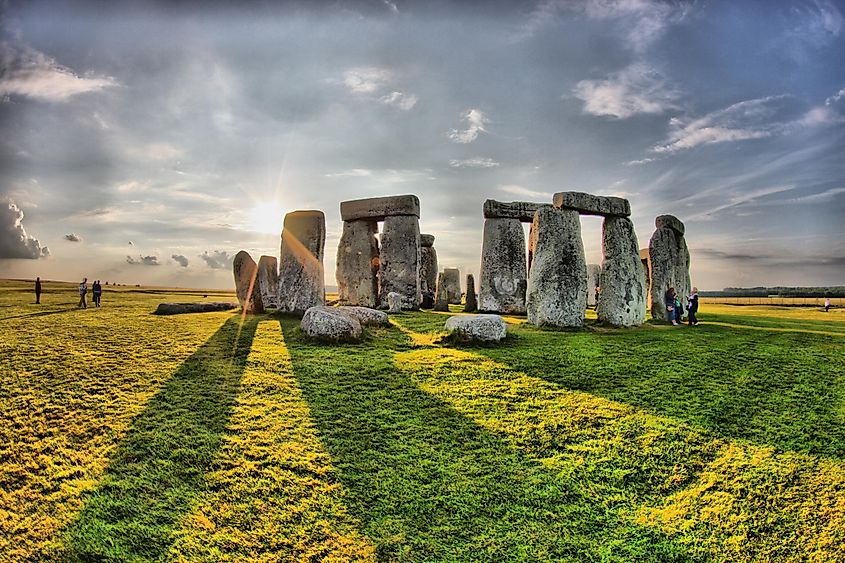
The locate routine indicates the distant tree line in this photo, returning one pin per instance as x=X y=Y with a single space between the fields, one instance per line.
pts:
x=778 y=291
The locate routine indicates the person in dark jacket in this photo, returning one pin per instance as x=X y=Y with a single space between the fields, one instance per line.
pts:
x=38 y=291
x=97 y=292
x=669 y=300
x=692 y=307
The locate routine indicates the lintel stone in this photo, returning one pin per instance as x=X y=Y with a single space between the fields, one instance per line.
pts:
x=589 y=204
x=522 y=210
x=377 y=208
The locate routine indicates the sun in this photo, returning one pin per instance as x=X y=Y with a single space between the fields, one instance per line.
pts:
x=265 y=218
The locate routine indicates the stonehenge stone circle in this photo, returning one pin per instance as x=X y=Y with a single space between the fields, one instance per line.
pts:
x=441 y=300
x=245 y=271
x=669 y=260
x=471 y=304
x=557 y=282
x=399 y=266
x=593 y=281
x=504 y=275
x=428 y=264
x=589 y=204
x=358 y=263
x=301 y=280
x=477 y=328
x=379 y=208
x=268 y=280
x=452 y=284
x=330 y=324
x=622 y=300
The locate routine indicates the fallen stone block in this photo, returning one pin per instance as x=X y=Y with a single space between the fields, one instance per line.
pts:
x=477 y=328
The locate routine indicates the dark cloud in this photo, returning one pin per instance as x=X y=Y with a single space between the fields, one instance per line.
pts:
x=143 y=260
x=14 y=242
x=180 y=259
x=217 y=259
x=73 y=237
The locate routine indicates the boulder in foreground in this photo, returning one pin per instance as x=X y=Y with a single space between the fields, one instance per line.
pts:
x=365 y=315
x=477 y=328
x=331 y=324
x=181 y=308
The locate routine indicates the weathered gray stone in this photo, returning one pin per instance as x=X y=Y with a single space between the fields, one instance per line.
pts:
x=301 y=281
x=471 y=303
x=399 y=269
x=245 y=271
x=593 y=282
x=268 y=280
x=202 y=307
x=477 y=328
x=394 y=302
x=452 y=283
x=669 y=222
x=520 y=210
x=331 y=324
x=590 y=204
x=426 y=240
x=379 y=208
x=669 y=260
x=366 y=316
x=503 y=270
x=428 y=269
x=622 y=301
x=358 y=263
x=557 y=282
x=441 y=301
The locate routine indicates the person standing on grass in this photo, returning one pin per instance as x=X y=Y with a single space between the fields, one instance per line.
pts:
x=669 y=301
x=692 y=307
x=38 y=291
x=83 y=291
x=827 y=304
x=97 y=292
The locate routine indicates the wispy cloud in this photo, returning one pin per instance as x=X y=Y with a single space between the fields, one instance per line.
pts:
x=814 y=25
x=638 y=88
x=378 y=84
x=640 y=161
x=473 y=163
x=523 y=191
x=354 y=173
x=14 y=242
x=399 y=100
x=475 y=123
x=31 y=73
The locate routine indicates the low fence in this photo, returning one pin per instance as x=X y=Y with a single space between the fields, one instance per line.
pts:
x=781 y=301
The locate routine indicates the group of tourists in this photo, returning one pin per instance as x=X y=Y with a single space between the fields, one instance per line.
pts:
x=675 y=307
x=96 y=293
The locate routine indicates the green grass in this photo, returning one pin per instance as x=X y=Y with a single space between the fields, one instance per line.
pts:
x=125 y=436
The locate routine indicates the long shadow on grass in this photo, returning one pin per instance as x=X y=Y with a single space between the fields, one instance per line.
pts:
x=428 y=483
x=779 y=389
x=160 y=465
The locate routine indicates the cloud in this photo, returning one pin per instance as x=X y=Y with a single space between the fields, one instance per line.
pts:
x=143 y=261
x=33 y=74
x=14 y=242
x=217 y=260
x=399 y=100
x=473 y=163
x=366 y=80
x=180 y=259
x=815 y=25
x=475 y=120
x=640 y=161
x=353 y=173
x=72 y=237
x=522 y=191
x=638 y=88
x=769 y=260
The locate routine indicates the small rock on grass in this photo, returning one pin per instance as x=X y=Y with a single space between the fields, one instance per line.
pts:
x=331 y=324
x=477 y=328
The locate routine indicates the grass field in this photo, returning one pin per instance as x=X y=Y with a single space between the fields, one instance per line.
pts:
x=125 y=436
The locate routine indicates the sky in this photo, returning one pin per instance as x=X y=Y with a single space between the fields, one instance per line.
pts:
x=148 y=142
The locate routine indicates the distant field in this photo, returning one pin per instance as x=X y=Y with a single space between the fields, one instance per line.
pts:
x=775 y=301
x=125 y=436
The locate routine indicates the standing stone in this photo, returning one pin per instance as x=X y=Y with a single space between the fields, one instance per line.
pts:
x=399 y=268
x=394 y=302
x=503 y=270
x=301 y=282
x=669 y=261
x=452 y=283
x=557 y=283
x=441 y=302
x=358 y=263
x=471 y=305
x=428 y=264
x=246 y=283
x=593 y=281
x=268 y=280
x=622 y=301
